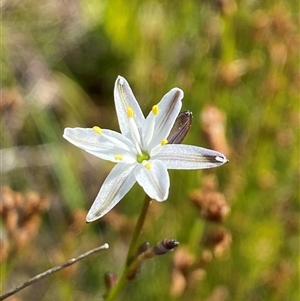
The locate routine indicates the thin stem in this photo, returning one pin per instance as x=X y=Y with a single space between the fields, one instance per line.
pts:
x=131 y=251
x=50 y=271
x=138 y=229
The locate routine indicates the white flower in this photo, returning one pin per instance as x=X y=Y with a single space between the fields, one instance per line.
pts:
x=141 y=151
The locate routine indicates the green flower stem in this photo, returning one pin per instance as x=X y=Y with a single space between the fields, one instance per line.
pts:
x=138 y=229
x=131 y=251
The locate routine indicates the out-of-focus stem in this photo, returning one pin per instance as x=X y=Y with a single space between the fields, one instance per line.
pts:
x=131 y=251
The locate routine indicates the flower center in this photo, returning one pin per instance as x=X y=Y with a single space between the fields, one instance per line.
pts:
x=142 y=157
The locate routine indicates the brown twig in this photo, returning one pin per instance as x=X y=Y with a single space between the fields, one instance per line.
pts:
x=52 y=270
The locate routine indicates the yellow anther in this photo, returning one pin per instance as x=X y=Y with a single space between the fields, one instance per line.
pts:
x=130 y=112
x=163 y=142
x=155 y=110
x=97 y=130
x=148 y=165
x=118 y=157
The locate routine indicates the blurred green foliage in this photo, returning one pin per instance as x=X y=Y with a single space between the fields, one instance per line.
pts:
x=59 y=63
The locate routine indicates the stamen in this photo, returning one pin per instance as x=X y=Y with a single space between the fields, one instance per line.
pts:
x=135 y=134
x=130 y=112
x=155 y=110
x=156 y=149
x=150 y=132
x=117 y=142
x=97 y=130
x=119 y=157
x=163 y=142
x=147 y=165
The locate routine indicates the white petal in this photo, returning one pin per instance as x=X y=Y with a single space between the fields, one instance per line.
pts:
x=105 y=146
x=116 y=185
x=124 y=98
x=155 y=180
x=180 y=156
x=169 y=108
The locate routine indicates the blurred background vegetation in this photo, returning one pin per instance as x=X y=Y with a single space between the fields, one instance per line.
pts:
x=238 y=225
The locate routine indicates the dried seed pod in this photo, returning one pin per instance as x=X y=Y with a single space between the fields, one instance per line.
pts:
x=143 y=252
x=21 y=215
x=110 y=279
x=218 y=240
x=146 y=252
x=212 y=205
x=143 y=248
x=165 y=246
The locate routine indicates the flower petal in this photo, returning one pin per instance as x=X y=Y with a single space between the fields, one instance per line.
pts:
x=105 y=146
x=116 y=185
x=168 y=110
x=124 y=98
x=180 y=156
x=154 y=179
